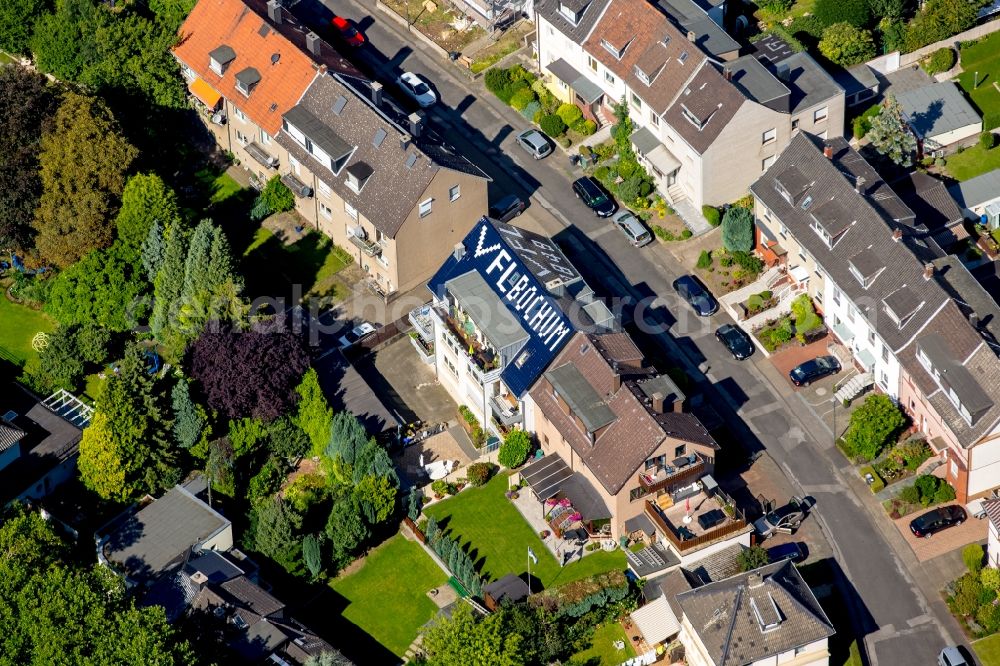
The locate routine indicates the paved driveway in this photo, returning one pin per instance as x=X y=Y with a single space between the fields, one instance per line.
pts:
x=953 y=538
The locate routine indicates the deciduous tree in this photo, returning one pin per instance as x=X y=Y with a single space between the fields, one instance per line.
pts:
x=940 y=19
x=64 y=42
x=146 y=200
x=752 y=558
x=872 y=425
x=105 y=288
x=514 y=449
x=464 y=639
x=377 y=498
x=59 y=363
x=845 y=45
x=314 y=415
x=83 y=163
x=17 y=18
x=890 y=134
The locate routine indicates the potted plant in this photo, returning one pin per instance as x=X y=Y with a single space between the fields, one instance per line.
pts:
x=544 y=534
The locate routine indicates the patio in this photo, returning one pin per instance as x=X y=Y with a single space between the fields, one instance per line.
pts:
x=565 y=549
x=695 y=516
x=438 y=448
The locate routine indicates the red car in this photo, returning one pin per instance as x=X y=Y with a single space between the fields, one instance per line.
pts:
x=347 y=31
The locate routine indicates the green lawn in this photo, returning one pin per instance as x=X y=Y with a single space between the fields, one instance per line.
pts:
x=983 y=57
x=272 y=268
x=217 y=186
x=973 y=161
x=387 y=597
x=988 y=650
x=497 y=537
x=18 y=325
x=602 y=651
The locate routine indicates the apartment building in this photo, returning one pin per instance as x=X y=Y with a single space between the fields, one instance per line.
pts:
x=364 y=171
x=921 y=333
x=708 y=122
x=504 y=303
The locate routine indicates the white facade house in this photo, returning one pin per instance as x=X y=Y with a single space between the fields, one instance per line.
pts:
x=992 y=509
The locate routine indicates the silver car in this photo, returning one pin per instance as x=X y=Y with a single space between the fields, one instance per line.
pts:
x=632 y=227
x=535 y=143
x=785 y=519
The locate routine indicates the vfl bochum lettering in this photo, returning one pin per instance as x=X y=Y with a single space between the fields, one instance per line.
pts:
x=525 y=299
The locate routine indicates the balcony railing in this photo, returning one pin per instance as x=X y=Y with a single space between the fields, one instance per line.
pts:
x=484 y=366
x=297 y=187
x=422 y=323
x=369 y=248
x=691 y=543
x=504 y=412
x=261 y=155
x=662 y=476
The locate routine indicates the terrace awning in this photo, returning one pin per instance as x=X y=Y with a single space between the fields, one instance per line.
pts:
x=588 y=91
x=551 y=476
x=205 y=93
x=656 y=621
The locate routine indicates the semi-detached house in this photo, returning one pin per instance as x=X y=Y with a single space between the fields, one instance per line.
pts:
x=364 y=171
x=708 y=123
x=918 y=328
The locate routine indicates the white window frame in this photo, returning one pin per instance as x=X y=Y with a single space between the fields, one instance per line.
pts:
x=819 y=115
x=323 y=188
x=769 y=136
x=325 y=210
x=351 y=211
x=654 y=119
x=454 y=193
x=426 y=207
x=609 y=77
x=239 y=114
x=635 y=100
x=767 y=162
x=294 y=165
x=592 y=63
x=215 y=66
x=242 y=138
x=265 y=138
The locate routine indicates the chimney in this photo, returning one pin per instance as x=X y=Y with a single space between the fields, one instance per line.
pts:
x=198 y=578
x=828 y=152
x=928 y=271
x=617 y=380
x=458 y=252
x=313 y=44
x=755 y=580
x=274 y=11
x=782 y=71
x=974 y=320
x=657 y=399
x=728 y=73
x=404 y=141
x=416 y=124
x=859 y=184
x=691 y=36
x=376 y=93
x=897 y=234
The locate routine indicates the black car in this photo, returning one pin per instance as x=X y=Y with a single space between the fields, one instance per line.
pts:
x=589 y=191
x=735 y=340
x=696 y=295
x=787 y=551
x=937 y=520
x=507 y=208
x=810 y=371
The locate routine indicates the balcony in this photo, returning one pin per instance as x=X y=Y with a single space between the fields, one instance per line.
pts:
x=485 y=365
x=297 y=187
x=422 y=323
x=679 y=469
x=261 y=155
x=506 y=413
x=709 y=520
x=368 y=247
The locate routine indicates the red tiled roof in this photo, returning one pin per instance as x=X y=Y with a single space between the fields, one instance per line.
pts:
x=214 y=23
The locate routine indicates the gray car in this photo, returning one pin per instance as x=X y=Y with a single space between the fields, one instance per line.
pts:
x=535 y=143
x=630 y=225
x=784 y=519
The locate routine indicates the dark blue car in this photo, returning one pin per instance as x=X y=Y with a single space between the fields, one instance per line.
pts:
x=735 y=340
x=692 y=291
x=810 y=371
x=786 y=551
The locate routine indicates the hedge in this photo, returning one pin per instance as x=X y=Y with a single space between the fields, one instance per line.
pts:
x=876 y=485
x=552 y=125
x=940 y=61
x=712 y=214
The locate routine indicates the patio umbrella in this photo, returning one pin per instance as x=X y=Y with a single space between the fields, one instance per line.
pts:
x=421 y=460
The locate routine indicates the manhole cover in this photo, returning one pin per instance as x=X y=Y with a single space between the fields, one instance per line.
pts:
x=821 y=391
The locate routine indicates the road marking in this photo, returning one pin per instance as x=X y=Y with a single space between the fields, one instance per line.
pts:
x=759 y=411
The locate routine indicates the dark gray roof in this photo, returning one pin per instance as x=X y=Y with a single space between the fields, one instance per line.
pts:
x=972 y=298
x=565 y=72
x=159 y=536
x=318 y=132
x=644 y=140
x=757 y=83
x=855 y=79
x=977 y=191
x=771 y=49
x=809 y=82
x=348 y=390
x=394 y=189
x=663 y=385
x=584 y=497
x=709 y=35
x=937 y=108
x=686 y=427
x=928 y=198
x=9 y=436
x=903 y=303
x=251 y=596
x=248 y=77
x=493 y=318
x=867 y=263
x=792 y=181
x=510 y=587
x=954 y=376
x=833 y=215
x=222 y=54
x=549 y=10
x=574 y=388
x=755 y=615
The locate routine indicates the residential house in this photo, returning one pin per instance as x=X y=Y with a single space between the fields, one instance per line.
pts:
x=840 y=230
x=707 y=122
x=364 y=172
x=938 y=222
x=612 y=427
x=761 y=617
x=39 y=441
x=992 y=509
x=940 y=116
x=979 y=198
x=504 y=303
x=860 y=83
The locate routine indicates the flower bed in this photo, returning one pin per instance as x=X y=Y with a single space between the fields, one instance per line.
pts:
x=527 y=95
x=902 y=461
x=926 y=491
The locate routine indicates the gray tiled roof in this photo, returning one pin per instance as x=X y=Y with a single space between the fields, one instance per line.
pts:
x=755 y=615
x=954 y=375
x=971 y=297
x=855 y=79
x=549 y=10
x=937 y=108
x=9 y=436
x=809 y=82
x=976 y=191
x=394 y=189
x=709 y=35
x=929 y=199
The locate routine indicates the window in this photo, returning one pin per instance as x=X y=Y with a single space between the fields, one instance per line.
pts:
x=425 y=207
x=351 y=211
x=609 y=77
x=569 y=14
x=769 y=136
x=323 y=188
x=820 y=114
x=641 y=75
x=680 y=451
x=636 y=102
x=239 y=114
x=592 y=62
x=454 y=193
x=654 y=119
x=265 y=138
x=768 y=161
x=871 y=338
x=325 y=210
x=613 y=50
x=294 y=164
x=836 y=296
x=885 y=353
x=783 y=231
x=795 y=124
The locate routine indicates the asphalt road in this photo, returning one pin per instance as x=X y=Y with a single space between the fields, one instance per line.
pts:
x=899 y=623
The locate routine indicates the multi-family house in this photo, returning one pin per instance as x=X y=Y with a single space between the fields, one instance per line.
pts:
x=364 y=171
x=504 y=303
x=602 y=414
x=917 y=332
x=708 y=122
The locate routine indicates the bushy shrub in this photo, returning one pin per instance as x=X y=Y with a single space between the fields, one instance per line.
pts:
x=910 y=494
x=990 y=578
x=704 y=259
x=987 y=140
x=522 y=98
x=845 y=44
x=988 y=617
x=972 y=556
x=564 y=141
x=860 y=127
x=533 y=108
x=584 y=126
x=807 y=28
x=944 y=493
x=927 y=485
x=853 y=12
x=626 y=168
x=877 y=484
x=514 y=449
x=712 y=214
x=440 y=487
x=776 y=6
x=504 y=83
x=872 y=426
x=630 y=189
x=686 y=234
x=967 y=591
x=749 y=262
x=602 y=173
x=737 y=229
x=552 y=125
x=755 y=302
x=479 y=473
x=940 y=61
x=570 y=113
x=605 y=150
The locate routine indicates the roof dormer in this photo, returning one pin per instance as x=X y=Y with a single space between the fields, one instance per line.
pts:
x=246 y=80
x=865 y=266
x=615 y=50
x=358 y=174
x=902 y=304
x=572 y=10
x=219 y=59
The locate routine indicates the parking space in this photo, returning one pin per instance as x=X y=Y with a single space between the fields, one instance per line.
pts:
x=945 y=541
x=413 y=386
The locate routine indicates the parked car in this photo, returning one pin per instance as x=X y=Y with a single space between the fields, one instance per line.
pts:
x=355 y=334
x=951 y=656
x=507 y=208
x=535 y=143
x=783 y=519
x=417 y=89
x=736 y=340
x=593 y=196
x=633 y=229
x=935 y=520
x=692 y=291
x=347 y=31
x=810 y=371
x=787 y=551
